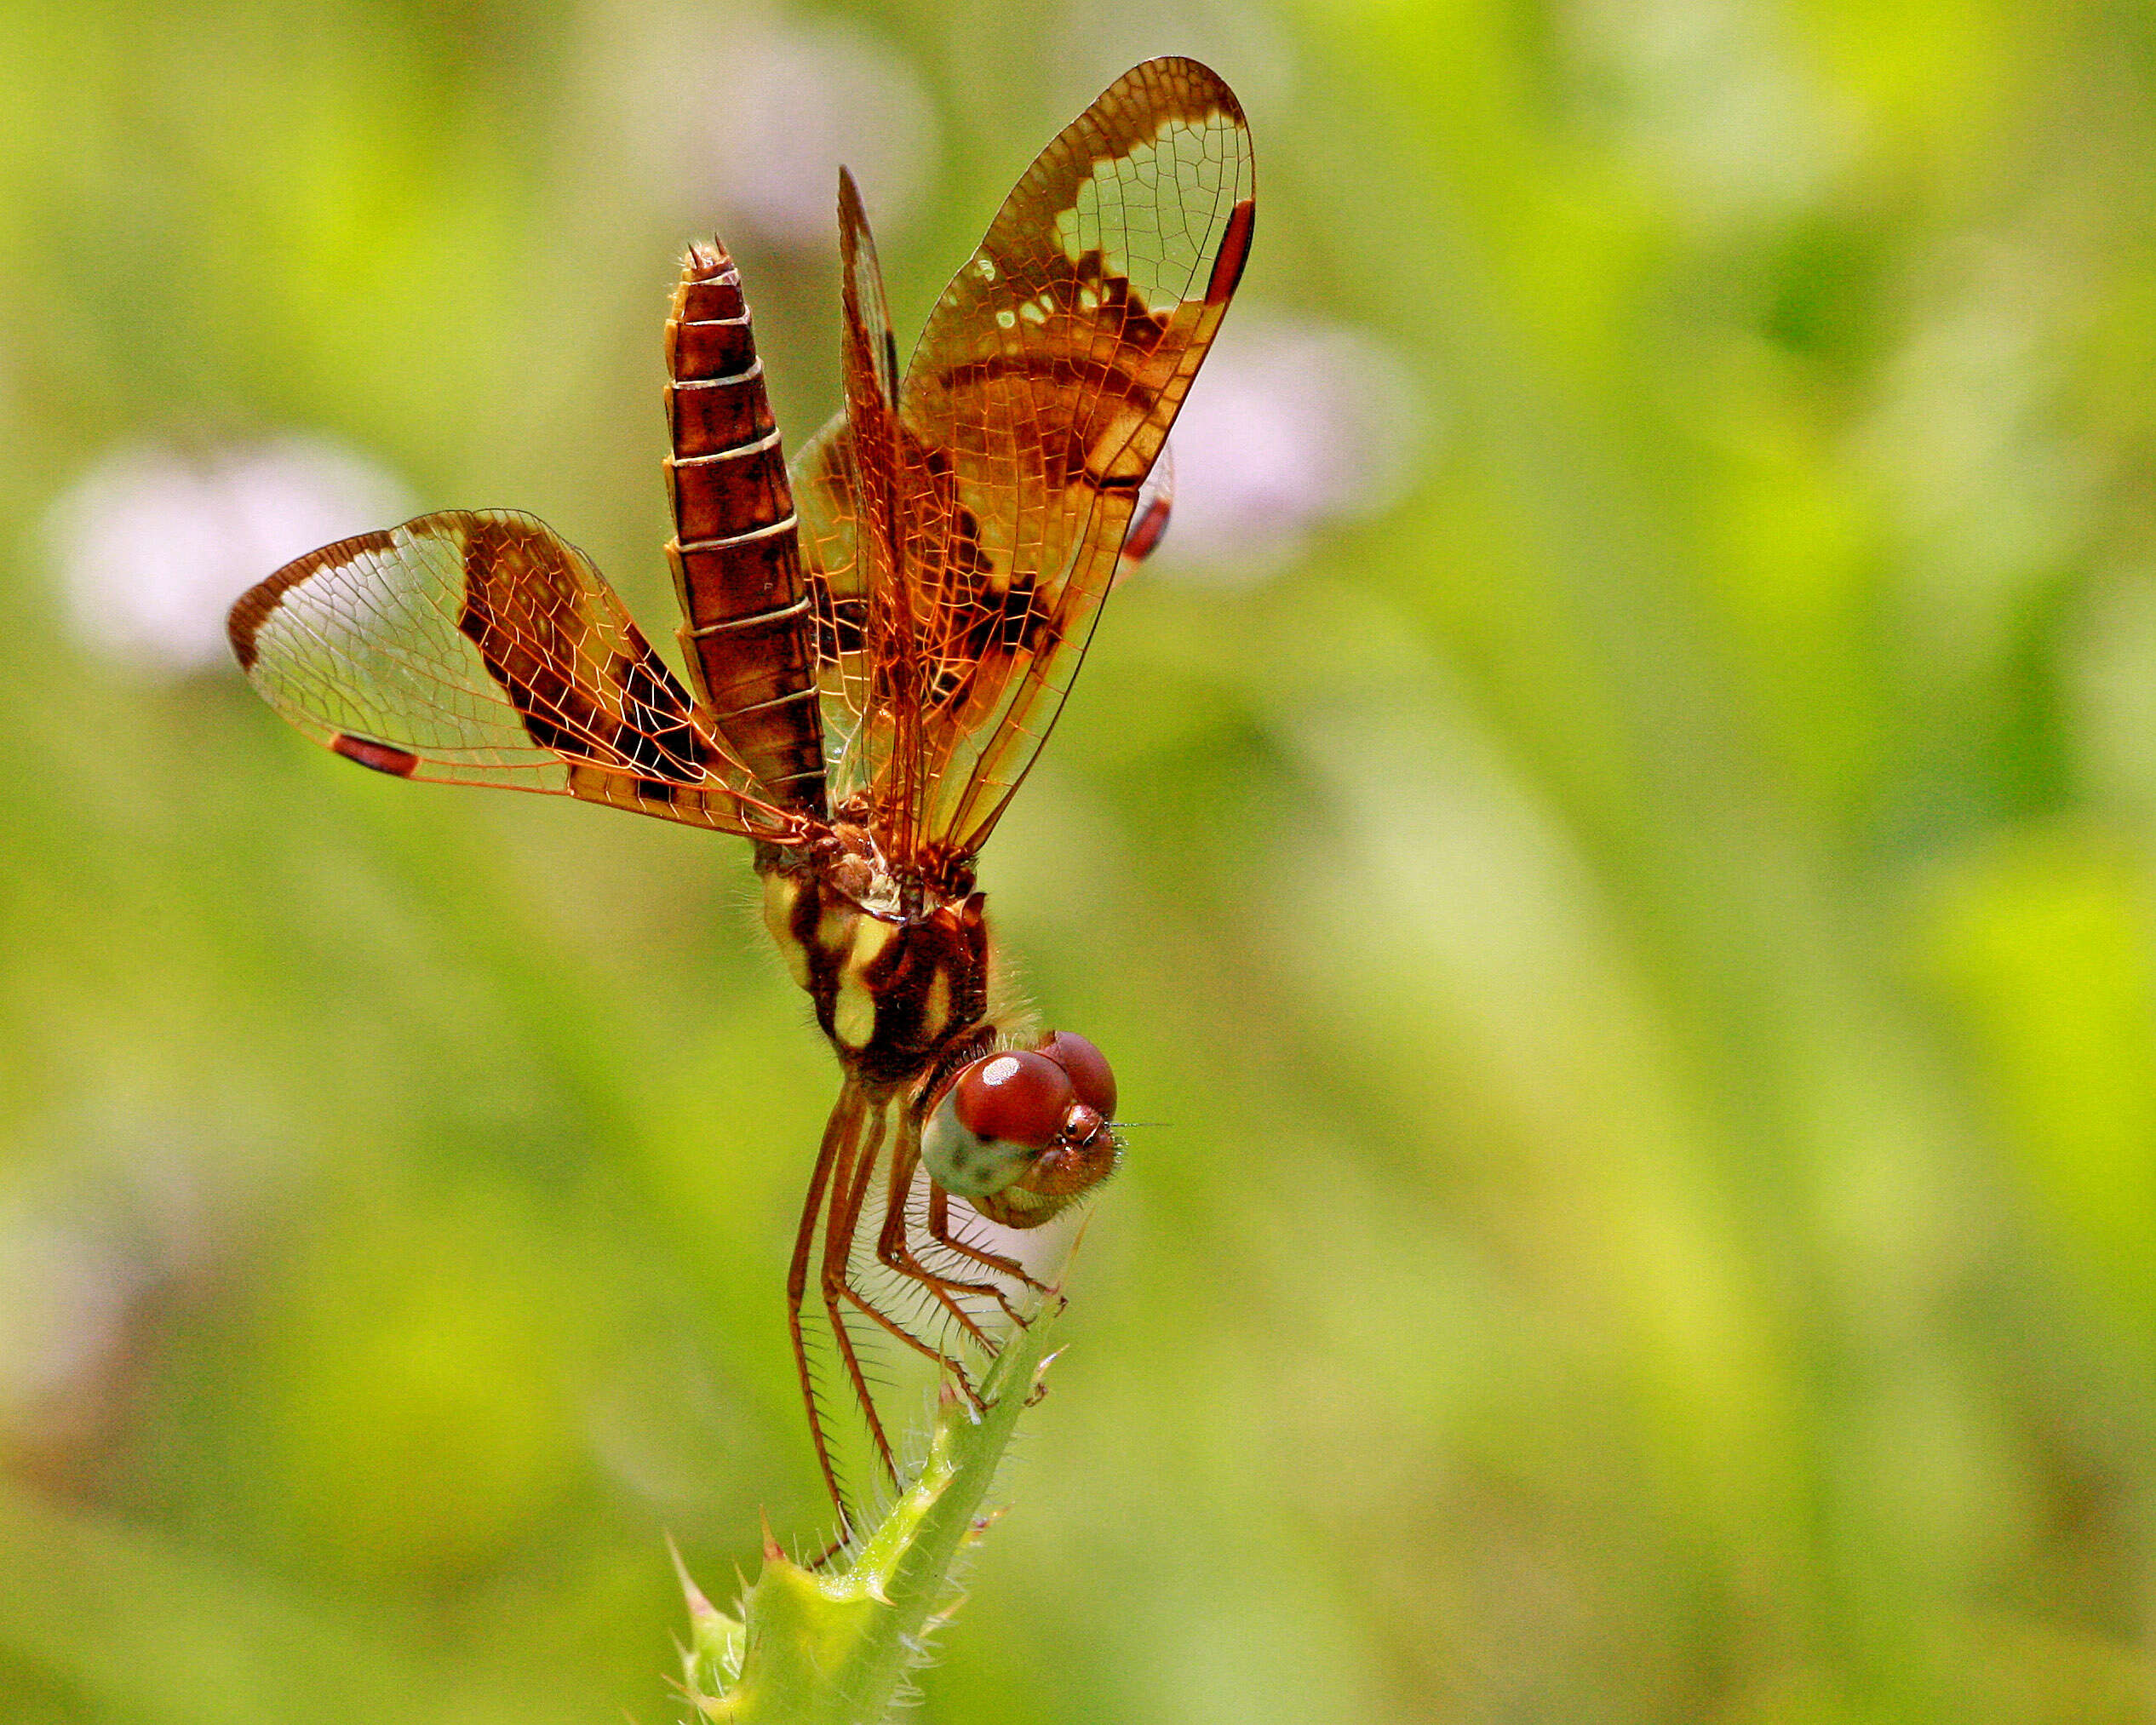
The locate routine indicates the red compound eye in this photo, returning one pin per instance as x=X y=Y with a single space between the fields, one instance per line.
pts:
x=1017 y=1098
x=1090 y=1076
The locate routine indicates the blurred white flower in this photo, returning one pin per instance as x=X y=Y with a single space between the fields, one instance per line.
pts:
x=758 y=118
x=1290 y=425
x=64 y=1303
x=85 y=1274
x=152 y=545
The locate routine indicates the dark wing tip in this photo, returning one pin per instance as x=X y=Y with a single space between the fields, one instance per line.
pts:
x=853 y=220
x=244 y=623
x=246 y=617
x=1200 y=86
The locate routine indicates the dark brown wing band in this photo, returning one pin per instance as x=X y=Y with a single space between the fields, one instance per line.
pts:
x=747 y=633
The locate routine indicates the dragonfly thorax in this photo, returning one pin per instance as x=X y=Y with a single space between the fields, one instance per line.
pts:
x=892 y=991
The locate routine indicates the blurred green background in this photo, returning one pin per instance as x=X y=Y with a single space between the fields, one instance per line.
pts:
x=1617 y=845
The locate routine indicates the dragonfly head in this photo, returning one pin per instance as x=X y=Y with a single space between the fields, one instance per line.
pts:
x=1021 y=1132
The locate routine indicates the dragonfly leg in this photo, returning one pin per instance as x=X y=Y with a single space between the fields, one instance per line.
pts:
x=839 y=1137
x=862 y=1303
x=895 y=1249
x=900 y=1180
x=849 y=1187
x=939 y=1230
x=895 y=1252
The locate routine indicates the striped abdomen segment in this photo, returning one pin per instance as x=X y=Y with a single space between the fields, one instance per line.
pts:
x=748 y=633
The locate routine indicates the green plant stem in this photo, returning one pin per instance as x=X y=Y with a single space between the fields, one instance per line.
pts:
x=832 y=1646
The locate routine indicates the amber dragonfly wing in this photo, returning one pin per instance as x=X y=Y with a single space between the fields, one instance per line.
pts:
x=959 y=554
x=478 y=648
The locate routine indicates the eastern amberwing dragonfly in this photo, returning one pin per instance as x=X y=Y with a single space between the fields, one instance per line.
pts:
x=877 y=646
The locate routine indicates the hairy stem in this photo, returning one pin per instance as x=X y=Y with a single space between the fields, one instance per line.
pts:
x=833 y=1646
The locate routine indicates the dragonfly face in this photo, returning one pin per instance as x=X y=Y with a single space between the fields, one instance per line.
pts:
x=1018 y=1134
x=878 y=639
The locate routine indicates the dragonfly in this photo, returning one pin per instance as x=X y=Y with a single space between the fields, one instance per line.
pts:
x=878 y=639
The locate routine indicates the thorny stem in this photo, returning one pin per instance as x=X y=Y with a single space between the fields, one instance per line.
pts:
x=832 y=1646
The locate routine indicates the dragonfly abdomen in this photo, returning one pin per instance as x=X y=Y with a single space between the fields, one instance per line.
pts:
x=747 y=630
